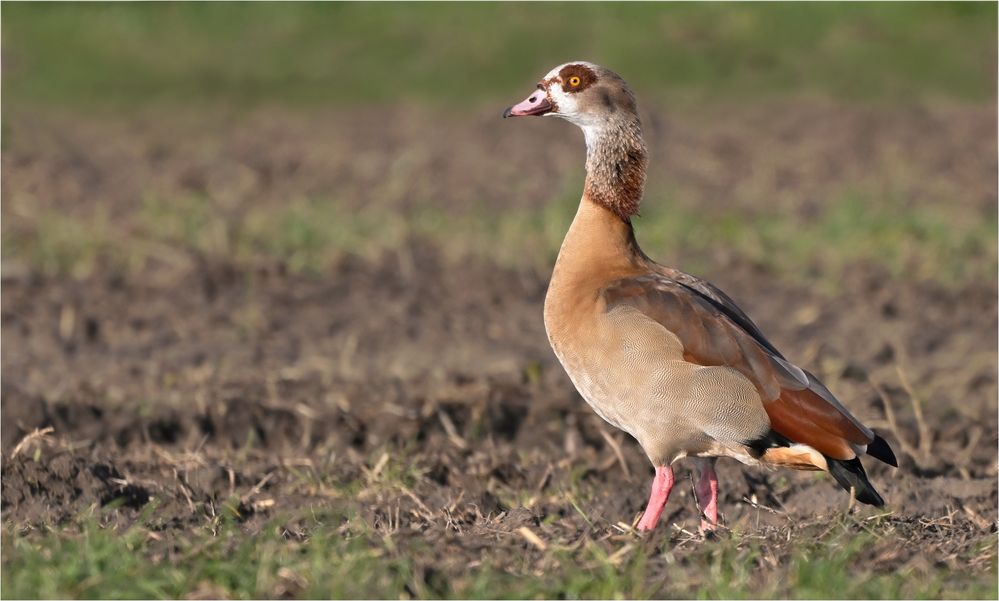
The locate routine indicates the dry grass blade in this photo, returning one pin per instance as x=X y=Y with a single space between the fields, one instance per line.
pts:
x=67 y=322
x=545 y=477
x=907 y=447
x=616 y=557
x=964 y=457
x=975 y=517
x=379 y=466
x=532 y=538
x=257 y=487
x=186 y=491
x=624 y=527
x=925 y=434
x=36 y=435
x=755 y=505
x=428 y=514
x=615 y=446
x=452 y=432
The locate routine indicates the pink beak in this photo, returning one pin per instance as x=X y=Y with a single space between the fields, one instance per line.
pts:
x=535 y=104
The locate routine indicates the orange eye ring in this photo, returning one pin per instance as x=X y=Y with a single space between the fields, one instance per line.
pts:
x=574 y=81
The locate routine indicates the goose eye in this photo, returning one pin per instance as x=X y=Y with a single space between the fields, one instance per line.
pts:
x=574 y=81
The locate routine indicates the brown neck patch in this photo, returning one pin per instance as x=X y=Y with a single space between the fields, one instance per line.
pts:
x=615 y=169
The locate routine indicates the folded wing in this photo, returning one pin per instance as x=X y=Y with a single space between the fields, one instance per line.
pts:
x=714 y=331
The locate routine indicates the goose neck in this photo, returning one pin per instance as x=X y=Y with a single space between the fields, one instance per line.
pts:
x=616 y=160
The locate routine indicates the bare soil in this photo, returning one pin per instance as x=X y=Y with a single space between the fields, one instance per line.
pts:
x=214 y=381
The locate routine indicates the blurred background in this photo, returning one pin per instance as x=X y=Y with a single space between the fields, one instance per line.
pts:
x=268 y=251
x=300 y=132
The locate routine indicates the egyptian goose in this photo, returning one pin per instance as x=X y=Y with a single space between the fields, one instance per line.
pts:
x=665 y=356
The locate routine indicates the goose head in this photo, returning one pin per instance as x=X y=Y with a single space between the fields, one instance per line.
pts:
x=603 y=106
x=582 y=93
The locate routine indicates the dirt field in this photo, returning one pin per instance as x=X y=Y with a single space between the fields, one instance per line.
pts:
x=409 y=384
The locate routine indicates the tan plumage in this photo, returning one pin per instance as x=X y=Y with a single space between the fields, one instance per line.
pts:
x=659 y=353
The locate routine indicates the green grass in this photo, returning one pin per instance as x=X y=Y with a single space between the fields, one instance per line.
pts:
x=341 y=556
x=111 y=56
x=309 y=235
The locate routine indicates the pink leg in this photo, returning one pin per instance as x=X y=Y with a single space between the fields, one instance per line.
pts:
x=707 y=496
x=661 y=486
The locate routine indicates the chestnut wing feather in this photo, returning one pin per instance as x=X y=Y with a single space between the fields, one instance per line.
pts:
x=714 y=331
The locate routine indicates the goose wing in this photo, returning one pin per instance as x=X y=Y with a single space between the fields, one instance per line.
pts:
x=715 y=332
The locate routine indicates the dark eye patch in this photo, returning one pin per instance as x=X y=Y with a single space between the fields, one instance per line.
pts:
x=586 y=77
x=607 y=101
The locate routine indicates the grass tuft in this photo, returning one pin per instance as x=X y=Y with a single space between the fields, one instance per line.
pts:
x=336 y=555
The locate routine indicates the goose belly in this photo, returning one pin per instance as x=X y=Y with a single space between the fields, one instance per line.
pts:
x=631 y=371
x=627 y=400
